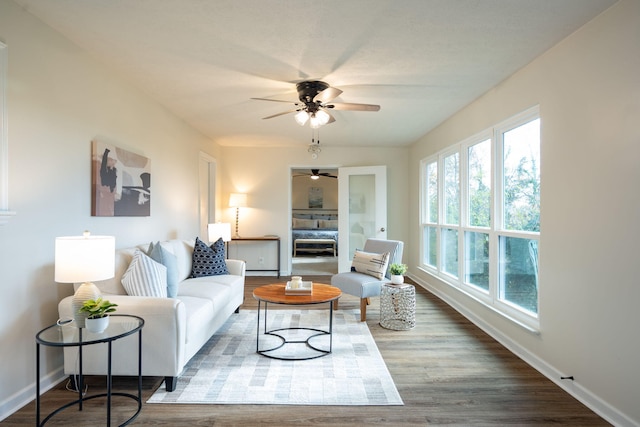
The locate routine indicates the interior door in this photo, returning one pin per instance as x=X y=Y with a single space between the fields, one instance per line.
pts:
x=207 y=193
x=362 y=209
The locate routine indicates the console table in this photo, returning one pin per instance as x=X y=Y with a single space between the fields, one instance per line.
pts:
x=275 y=239
x=68 y=335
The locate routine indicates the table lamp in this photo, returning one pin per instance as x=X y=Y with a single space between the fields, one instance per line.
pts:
x=237 y=200
x=219 y=230
x=83 y=259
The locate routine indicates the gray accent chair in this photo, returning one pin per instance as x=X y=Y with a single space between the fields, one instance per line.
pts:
x=365 y=286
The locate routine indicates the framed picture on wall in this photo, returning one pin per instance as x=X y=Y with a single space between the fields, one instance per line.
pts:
x=121 y=182
x=315 y=198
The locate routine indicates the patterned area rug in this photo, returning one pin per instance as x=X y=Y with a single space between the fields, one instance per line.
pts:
x=227 y=370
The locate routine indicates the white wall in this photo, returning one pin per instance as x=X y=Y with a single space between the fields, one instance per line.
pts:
x=588 y=89
x=59 y=99
x=265 y=175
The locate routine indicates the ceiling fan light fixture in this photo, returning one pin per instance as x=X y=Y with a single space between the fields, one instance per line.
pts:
x=301 y=117
x=319 y=118
x=314 y=177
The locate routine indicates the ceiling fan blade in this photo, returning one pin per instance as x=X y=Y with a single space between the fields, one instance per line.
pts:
x=327 y=95
x=275 y=100
x=354 y=107
x=280 y=114
x=331 y=118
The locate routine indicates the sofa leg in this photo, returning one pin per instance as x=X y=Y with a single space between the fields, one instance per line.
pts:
x=237 y=310
x=170 y=383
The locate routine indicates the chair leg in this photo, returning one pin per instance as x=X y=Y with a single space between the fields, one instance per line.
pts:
x=335 y=304
x=364 y=302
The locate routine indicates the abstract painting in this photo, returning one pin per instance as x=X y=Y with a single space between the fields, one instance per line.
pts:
x=121 y=182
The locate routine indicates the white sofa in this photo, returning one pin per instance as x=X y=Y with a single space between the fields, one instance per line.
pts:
x=175 y=328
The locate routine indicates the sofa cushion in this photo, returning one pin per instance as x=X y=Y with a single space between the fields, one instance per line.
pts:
x=370 y=263
x=208 y=261
x=145 y=277
x=159 y=254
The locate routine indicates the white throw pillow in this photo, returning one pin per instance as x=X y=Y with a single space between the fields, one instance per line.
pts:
x=305 y=223
x=369 y=263
x=145 y=277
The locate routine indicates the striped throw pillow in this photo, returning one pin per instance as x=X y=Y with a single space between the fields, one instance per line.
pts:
x=145 y=277
x=369 y=263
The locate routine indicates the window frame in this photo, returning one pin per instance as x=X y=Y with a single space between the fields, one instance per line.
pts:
x=491 y=296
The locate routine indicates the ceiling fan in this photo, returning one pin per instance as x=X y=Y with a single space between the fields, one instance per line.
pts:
x=314 y=100
x=316 y=174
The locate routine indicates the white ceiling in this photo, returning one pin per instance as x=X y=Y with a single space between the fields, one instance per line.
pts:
x=421 y=60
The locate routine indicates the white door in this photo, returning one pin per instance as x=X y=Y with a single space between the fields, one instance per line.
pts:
x=207 y=193
x=362 y=209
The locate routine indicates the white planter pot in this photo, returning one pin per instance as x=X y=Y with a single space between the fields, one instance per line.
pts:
x=97 y=325
x=397 y=279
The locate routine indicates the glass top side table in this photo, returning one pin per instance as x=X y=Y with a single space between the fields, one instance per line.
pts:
x=68 y=335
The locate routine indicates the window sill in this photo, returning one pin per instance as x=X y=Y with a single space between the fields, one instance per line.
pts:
x=533 y=329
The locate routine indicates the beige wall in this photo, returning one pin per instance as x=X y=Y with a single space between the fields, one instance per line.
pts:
x=301 y=185
x=588 y=89
x=59 y=99
x=265 y=175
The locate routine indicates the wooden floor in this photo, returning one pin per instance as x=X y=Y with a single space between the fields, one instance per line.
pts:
x=447 y=371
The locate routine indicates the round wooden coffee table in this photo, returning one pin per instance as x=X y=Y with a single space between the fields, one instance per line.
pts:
x=275 y=294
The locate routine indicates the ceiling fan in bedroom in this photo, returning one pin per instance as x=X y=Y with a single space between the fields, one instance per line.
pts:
x=316 y=174
x=314 y=102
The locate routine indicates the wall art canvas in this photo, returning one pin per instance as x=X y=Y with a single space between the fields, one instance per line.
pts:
x=315 y=198
x=121 y=182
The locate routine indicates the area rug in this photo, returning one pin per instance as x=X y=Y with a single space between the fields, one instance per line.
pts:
x=227 y=370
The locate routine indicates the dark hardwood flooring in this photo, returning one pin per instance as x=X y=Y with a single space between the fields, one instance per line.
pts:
x=447 y=371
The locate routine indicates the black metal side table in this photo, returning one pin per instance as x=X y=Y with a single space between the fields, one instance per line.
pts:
x=68 y=335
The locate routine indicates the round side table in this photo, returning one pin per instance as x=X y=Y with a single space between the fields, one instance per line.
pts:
x=398 y=307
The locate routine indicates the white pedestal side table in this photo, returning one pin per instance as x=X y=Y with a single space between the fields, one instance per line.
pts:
x=398 y=307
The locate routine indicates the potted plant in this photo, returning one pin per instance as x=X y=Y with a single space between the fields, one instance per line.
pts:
x=397 y=271
x=97 y=312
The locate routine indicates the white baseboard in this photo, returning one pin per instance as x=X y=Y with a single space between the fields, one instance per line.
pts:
x=28 y=394
x=574 y=388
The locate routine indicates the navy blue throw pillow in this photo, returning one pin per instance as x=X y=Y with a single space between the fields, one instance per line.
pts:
x=208 y=261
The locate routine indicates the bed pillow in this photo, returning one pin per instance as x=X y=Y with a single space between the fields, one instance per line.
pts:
x=305 y=223
x=159 y=254
x=145 y=277
x=369 y=263
x=208 y=260
x=328 y=223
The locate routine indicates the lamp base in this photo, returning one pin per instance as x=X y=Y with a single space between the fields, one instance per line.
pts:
x=85 y=292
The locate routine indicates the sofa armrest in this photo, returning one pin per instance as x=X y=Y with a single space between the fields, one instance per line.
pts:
x=163 y=338
x=236 y=267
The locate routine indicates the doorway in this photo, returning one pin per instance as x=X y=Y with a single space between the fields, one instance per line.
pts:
x=314 y=216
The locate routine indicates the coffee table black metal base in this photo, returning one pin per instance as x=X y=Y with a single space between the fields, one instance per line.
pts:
x=319 y=352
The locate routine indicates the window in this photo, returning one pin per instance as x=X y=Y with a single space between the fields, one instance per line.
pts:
x=481 y=216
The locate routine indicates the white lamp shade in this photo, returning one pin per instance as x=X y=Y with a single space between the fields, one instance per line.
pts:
x=84 y=258
x=237 y=200
x=219 y=230
x=301 y=117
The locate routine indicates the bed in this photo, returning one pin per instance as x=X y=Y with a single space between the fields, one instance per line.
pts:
x=315 y=233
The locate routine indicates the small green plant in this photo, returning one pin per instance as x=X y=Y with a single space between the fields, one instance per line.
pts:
x=397 y=269
x=97 y=308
